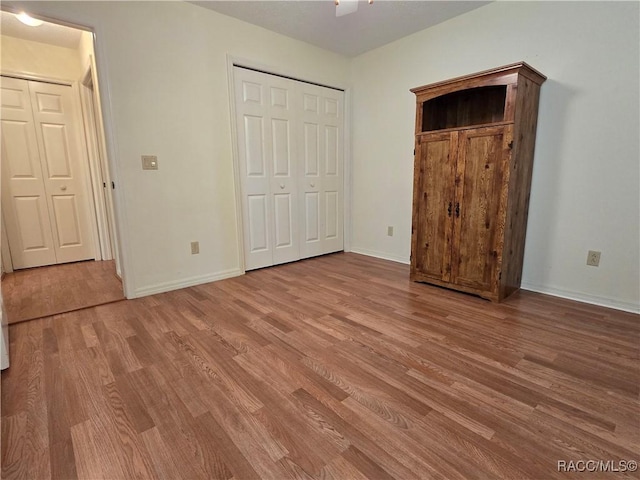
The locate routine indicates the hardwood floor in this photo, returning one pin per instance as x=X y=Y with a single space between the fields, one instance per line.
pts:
x=45 y=291
x=331 y=368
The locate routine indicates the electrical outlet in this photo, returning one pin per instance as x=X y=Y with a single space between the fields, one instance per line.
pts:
x=195 y=248
x=149 y=162
x=390 y=231
x=593 y=258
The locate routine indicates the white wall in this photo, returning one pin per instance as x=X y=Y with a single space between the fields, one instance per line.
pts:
x=585 y=193
x=163 y=74
x=37 y=58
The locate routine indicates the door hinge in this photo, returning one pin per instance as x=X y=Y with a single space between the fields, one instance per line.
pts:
x=113 y=186
x=414 y=152
x=510 y=145
x=104 y=185
x=500 y=276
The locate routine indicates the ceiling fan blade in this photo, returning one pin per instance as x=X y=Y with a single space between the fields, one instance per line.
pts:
x=345 y=7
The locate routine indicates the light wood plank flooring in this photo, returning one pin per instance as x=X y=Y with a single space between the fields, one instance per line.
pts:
x=45 y=291
x=331 y=368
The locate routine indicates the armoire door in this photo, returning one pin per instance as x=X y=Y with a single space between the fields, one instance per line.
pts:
x=481 y=193
x=44 y=183
x=267 y=148
x=290 y=150
x=433 y=218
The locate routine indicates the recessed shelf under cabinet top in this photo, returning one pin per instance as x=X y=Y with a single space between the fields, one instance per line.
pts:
x=482 y=99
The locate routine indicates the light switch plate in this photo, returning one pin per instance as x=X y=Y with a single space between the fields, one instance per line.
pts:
x=149 y=162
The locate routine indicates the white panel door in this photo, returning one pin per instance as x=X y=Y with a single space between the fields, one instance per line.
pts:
x=320 y=181
x=57 y=120
x=290 y=145
x=265 y=114
x=43 y=175
x=24 y=200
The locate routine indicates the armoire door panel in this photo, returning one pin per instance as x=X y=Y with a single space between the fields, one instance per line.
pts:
x=482 y=158
x=433 y=217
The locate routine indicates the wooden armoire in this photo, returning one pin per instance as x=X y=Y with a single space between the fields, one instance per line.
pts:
x=474 y=144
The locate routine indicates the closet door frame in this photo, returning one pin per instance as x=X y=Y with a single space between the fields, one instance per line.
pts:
x=233 y=61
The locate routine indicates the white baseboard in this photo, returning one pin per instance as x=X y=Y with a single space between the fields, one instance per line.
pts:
x=184 y=283
x=384 y=256
x=583 y=297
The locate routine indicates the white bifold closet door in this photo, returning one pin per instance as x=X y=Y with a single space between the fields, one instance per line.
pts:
x=290 y=145
x=44 y=194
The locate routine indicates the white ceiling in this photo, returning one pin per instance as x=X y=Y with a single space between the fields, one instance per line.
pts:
x=49 y=33
x=315 y=22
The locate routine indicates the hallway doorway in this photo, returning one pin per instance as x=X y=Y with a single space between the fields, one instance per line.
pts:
x=64 y=225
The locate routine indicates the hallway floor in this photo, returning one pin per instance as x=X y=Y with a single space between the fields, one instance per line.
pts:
x=44 y=291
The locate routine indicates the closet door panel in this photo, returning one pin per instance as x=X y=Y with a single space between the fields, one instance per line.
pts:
x=284 y=148
x=290 y=137
x=253 y=130
x=258 y=223
x=322 y=179
x=24 y=201
x=266 y=112
x=57 y=119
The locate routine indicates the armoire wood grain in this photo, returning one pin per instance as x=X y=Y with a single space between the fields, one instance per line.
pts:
x=330 y=368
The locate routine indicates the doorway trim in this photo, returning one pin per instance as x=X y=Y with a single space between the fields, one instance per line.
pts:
x=234 y=61
x=94 y=158
x=99 y=165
